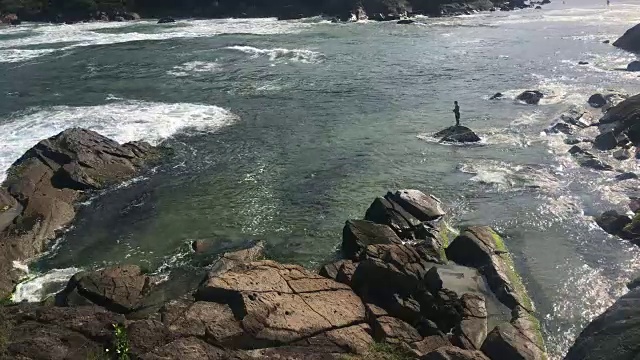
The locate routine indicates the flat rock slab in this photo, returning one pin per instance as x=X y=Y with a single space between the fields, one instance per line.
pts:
x=280 y=304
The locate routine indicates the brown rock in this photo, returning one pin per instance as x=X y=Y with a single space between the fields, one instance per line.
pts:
x=121 y=289
x=341 y=271
x=279 y=304
x=146 y=335
x=506 y=342
x=454 y=353
x=188 y=349
x=358 y=234
x=430 y=344
x=394 y=331
x=230 y=260
x=49 y=178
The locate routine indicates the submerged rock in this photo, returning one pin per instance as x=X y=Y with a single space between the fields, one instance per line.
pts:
x=457 y=134
x=630 y=40
x=166 y=20
x=626 y=176
x=612 y=222
x=405 y=22
x=588 y=160
x=496 y=96
x=531 y=97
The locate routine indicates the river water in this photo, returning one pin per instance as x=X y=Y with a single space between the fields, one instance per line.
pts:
x=283 y=130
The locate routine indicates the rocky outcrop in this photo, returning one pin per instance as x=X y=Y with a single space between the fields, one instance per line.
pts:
x=613 y=335
x=623 y=119
x=531 y=97
x=457 y=134
x=49 y=179
x=630 y=41
x=588 y=160
x=396 y=288
x=121 y=289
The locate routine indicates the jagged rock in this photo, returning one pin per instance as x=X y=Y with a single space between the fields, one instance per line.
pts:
x=454 y=353
x=634 y=66
x=623 y=118
x=51 y=176
x=341 y=271
x=166 y=20
x=622 y=154
x=612 y=222
x=279 y=304
x=457 y=134
x=410 y=213
x=496 y=96
x=606 y=141
x=9 y=209
x=531 y=97
x=597 y=101
x=615 y=334
x=120 y=289
x=507 y=342
x=358 y=234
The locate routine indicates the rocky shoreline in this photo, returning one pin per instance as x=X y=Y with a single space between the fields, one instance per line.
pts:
x=343 y=10
x=406 y=284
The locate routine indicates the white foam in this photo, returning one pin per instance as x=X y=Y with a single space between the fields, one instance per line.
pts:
x=17 y=55
x=296 y=55
x=88 y=34
x=194 y=67
x=505 y=176
x=122 y=121
x=41 y=287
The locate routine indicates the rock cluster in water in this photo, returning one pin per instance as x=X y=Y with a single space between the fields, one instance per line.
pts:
x=402 y=282
x=341 y=10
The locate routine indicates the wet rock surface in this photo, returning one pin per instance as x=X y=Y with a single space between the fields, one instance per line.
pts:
x=44 y=184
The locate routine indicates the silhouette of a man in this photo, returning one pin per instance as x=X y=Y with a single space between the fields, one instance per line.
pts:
x=456 y=112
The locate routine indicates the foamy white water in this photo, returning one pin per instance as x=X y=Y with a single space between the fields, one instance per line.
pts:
x=43 y=286
x=66 y=37
x=296 y=55
x=122 y=121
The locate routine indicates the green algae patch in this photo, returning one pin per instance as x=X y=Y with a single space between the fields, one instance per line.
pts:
x=447 y=234
x=382 y=351
x=519 y=289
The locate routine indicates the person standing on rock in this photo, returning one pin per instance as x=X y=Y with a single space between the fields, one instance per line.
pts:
x=456 y=112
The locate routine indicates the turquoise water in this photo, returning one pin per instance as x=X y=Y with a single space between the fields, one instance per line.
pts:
x=284 y=130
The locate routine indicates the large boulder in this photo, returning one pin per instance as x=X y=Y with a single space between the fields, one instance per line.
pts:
x=51 y=176
x=630 y=41
x=457 y=134
x=277 y=304
x=121 y=289
x=615 y=334
x=608 y=141
x=506 y=341
x=358 y=234
x=412 y=214
x=531 y=97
